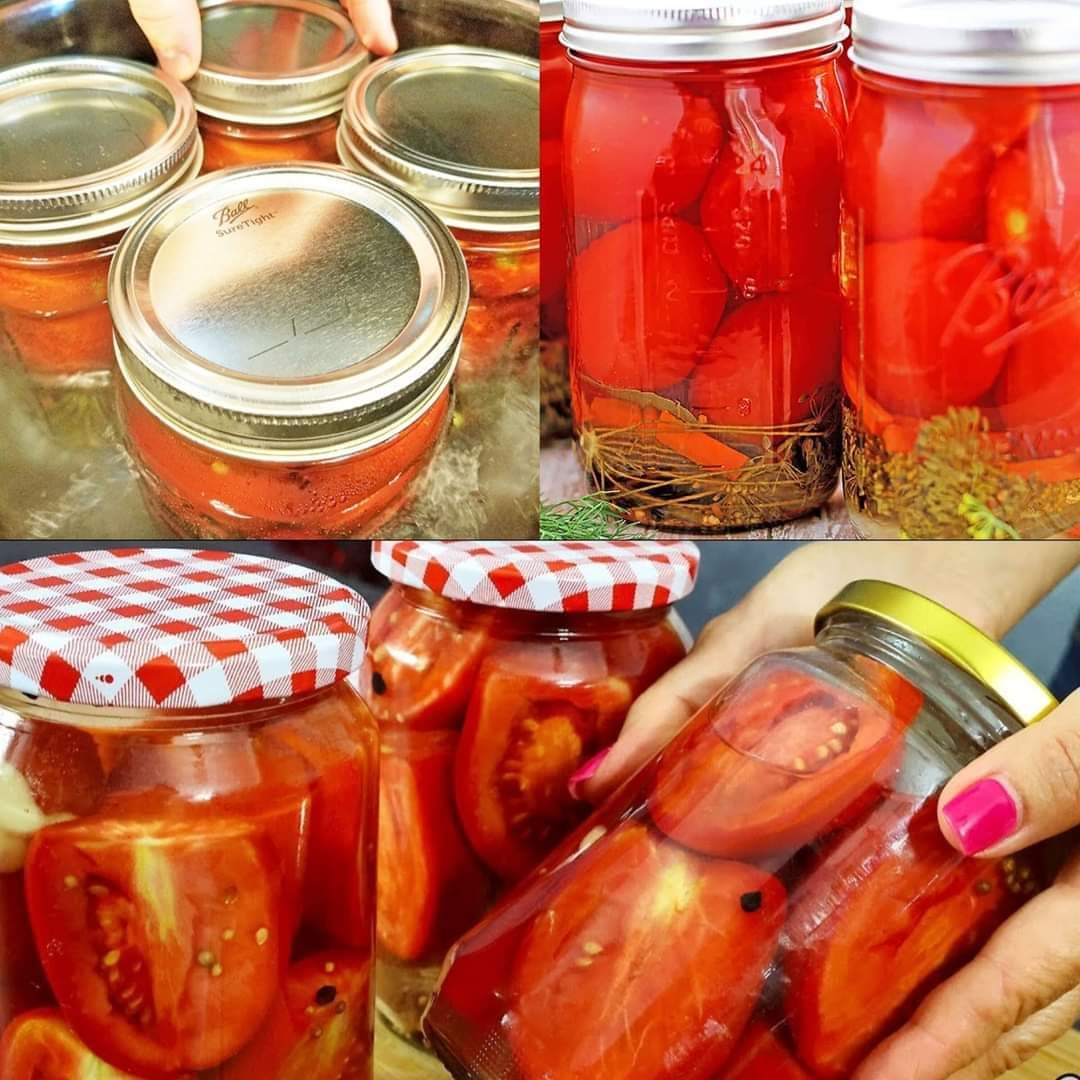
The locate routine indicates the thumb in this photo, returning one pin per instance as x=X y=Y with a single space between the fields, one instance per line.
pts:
x=1024 y=790
x=374 y=25
x=174 y=29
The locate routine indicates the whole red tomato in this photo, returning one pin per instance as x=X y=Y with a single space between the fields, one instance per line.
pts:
x=552 y=225
x=638 y=146
x=769 y=362
x=934 y=315
x=645 y=300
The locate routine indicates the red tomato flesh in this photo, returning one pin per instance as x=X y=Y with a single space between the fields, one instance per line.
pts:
x=41 y=1046
x=647 y=963
x=761 y=1055
x=22 y=982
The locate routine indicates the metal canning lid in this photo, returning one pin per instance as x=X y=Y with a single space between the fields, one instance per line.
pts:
x=953 y=638
x=288 y=312
x=551 y=10
x=275 y=61
x=456 y=126
x=86 y=143
x=970 y=42
x=701 y=29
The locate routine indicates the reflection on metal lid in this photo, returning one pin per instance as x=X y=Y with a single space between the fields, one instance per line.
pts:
x=455 y=126
x=86 y=143
x=275 y=61
x=282 y=310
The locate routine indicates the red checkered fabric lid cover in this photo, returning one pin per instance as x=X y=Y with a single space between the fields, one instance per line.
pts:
x=614 y=575
x=167 y=628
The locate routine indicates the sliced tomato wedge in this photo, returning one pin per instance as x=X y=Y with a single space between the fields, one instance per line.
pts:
x=59 y=763
x=319 y=1028
x=648 y=963
x=431 y=887
x=538 y=712
x=160 y=929
x=784 y=755
x=41 y=1046
x=888 y=910
x=420 y=665
x=762 y=1055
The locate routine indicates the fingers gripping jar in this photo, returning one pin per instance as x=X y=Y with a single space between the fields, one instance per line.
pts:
x=455 y=126
x=273 y=79
x=85 y=144
x=961 y=270
x=287 y=336
x=771 y=895
x=702 y=174
x=495 y=671
x=187 y=845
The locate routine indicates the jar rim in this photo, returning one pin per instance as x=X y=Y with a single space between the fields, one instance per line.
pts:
x=952 y=637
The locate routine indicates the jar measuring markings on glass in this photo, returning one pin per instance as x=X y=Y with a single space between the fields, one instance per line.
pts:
x=702 y=168
x=188 y=779
x=455 y=126
x=961 y=270
x=495 y=671
x=287 y=337
x=273 y=79
x=85 y=144
x=771 y=895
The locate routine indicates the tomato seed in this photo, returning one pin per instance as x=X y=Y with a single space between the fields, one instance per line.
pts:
x=216 y=970
x=71 y=881
x=111 y=958
x=228 y=935
x=328 y=967
x=206 y=959
x=262 y=936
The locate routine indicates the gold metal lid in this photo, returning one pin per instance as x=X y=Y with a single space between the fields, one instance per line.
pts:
x=953 y=637
x=275 y=61
x=86 y=143
x=455 y=126
x=288 y=312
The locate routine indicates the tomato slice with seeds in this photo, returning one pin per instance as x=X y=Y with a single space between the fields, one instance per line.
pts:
x=762 y=1055
x=420 y=664
x=784 y=756
x=888 y=909
x=539 y=711
x=319 y=1028
x=647 y=963
x=159 y=926
x=41 y=1046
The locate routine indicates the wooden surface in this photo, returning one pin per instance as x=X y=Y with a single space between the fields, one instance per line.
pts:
x=396 y=1060
x=562 y=478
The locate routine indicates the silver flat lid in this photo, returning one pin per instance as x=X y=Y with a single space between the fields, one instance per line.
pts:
x=275 y=61
x=456 y=126
x=286 y=311
x=701 y=29
x=86 y=143
x=970 y=42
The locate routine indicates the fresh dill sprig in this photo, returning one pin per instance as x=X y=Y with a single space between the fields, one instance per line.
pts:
x=588 y=518
x=983 y=523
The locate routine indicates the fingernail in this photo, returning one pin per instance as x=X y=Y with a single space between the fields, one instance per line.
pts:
x=179 y=62
x=586 y=772
x=983 y=816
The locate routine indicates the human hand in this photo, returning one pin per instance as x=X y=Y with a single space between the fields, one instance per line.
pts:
x=174 y=29
x=985 y=583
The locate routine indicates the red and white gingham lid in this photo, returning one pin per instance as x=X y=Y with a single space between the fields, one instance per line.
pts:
x=163 y=628
x=571 y=576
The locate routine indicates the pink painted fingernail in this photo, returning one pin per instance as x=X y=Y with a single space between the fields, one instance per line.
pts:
x=586 y=772
x=983 y=816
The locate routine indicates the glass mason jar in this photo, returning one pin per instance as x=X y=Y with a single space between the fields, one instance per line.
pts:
x=772 y=889
x=134 y=128
x=489 y=695
x=273 y=79
x=845 y=68
x=286 y=337
x=555 y=70
x=188 y=840
x=702 y=171
x=455 y=126
x=961 y=367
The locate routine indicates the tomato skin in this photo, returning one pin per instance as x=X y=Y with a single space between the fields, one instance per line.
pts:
x=328 y=993
x=539 y=711
x=420 y=664
x=768 y=360
x=553 y=251
x=602 y=988
x=934 y=317
x=41 y=1046
x=888 y=910
x=130 y=949
x=22 y=982
x=668 y=141
x=761 y=1055
x=645 y=300
x=60 y=764
x=782 y=758
x=431 y=887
